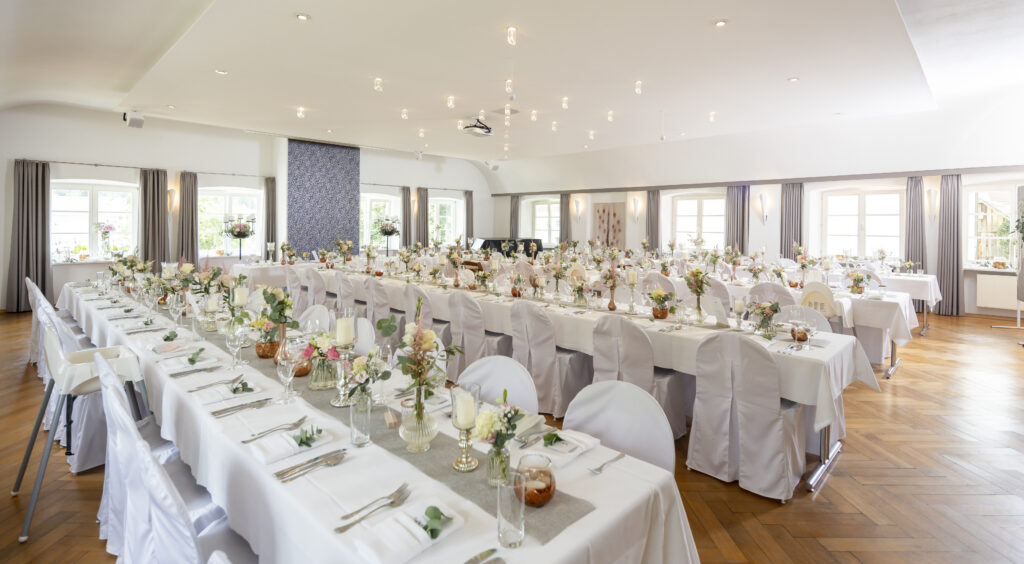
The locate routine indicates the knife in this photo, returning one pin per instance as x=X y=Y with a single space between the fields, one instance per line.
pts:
x=482 y=556
x=194 y=370
x=236 y=408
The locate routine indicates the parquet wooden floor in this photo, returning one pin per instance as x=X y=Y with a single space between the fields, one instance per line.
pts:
x=932 y=470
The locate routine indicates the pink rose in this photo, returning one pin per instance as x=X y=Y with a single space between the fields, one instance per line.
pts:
x=310 y=349
x=332 y=354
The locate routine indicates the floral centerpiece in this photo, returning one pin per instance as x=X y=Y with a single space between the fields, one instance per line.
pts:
x=712 y=258
x=483 y=277
x=881 y=255
x=497 y=427
x=780 y=274
x=287 y=253
x=558 y=272
x=537 y=285
x=319 y=351
x=419 y=361
x=857 y=281
x=366 y=370
x=533 y=250
x=804 y=262
x=662 y=302
x=645 y=245
x=105 y=229
x=908 y=266
x=344 y=247
x=266 y=336
x=698 y=283
x=579 y=292
x=517 y=285
x=238 y=230
x=733 y=258
x=435 y=242
x=417 y=269
x=387 y=227
x=406 y=256
x=756 y=270
x=672 y=246
x=765 y=313
x=666 y=268
x=697 y=242
x=279 y=312
x=456 y=261
x=435 y=273
x=610 y=278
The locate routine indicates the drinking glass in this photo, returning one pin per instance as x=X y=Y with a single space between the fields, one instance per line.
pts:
x=290 y=359
x=235 y=340
x=177 y=307
x=385 y=353
x=512 y=511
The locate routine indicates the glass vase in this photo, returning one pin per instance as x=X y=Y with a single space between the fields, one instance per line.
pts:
x=418 y=426
x=324 y=375
x=766 y=328
x=359 y=418
x=497 y=466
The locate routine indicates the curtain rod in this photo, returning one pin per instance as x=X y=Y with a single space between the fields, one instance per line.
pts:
x=410 y=187
x=141 y=168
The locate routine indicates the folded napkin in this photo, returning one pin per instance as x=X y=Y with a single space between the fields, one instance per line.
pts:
x=180 y=364
x=174 y=349
x=281 y=444
x=572 y=445
x=400 y=537
x=528 y=422
x=222 y=392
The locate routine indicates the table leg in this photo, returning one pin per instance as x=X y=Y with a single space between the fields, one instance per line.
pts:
x=828 y=456
x=924 y=325
x=894 y=361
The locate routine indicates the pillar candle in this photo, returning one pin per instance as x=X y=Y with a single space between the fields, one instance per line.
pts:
x=631 y=277
x=465 y=407
x=345 y=330
x=240 y=297
x=212 y=303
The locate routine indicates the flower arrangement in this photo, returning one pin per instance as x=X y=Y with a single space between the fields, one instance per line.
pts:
x=533 y=249
x=857 y=281
x=579 y=292
x=756 y=270
x=611 y=276
x=482 y=276
x=666 y=267
x=881 y=254
x=321 y=347
x=765 y=313
x=387 y=226
x=497 y=427
x=436 y=243
x=662 y=301
x=454 y=259
x=406 y=256
x=558 y=272
x=344 y=247
x=672 y=245
x=105 y=229
x=204 y=282
x=435 y=272
x=732 y=255
x=804 y=261
x=574 y=243
x=713 y=257
x=697 y=242
x=537 y=284
x=239 y=230
x=908 y=266
x=305 y=255
x=266 y=331
x=367 y=370
x=780 y=274
x=517 y=285
x=416 y=268
x=698 y=283
x=646 y=245
x=279 y=307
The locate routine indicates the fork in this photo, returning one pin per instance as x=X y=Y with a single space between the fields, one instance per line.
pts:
x=282 y=427
x=600 y=468
x=325 y=463
x=390 y=497
x=393 y=503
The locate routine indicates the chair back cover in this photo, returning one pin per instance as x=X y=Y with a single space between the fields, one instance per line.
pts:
x=719 y=290
x=294 y=286
x=36 y=334
x=525 y=269
x=121 y=435
x=173 y=535
x=520 y=342
x=814 y=275
x=364 y=336
x=317 y=288
x=805 y=314
x=543 y=366
x=655 y=279
x=345 y=290
x=68 y=341
x=786 y=262
x=714 y=449
x=468 y=327
x=606 y=348
x=624 y=418
x=622 y=351
x=819 y=297
x=495 y=374
x=412 y=293
x=713 y=306
x=316 y=318
x=771 y=292
x=377 y=306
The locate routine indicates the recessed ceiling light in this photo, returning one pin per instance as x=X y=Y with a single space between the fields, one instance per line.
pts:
x=794 y=79
x=511 y=35
x=720 y=23
x=378 y=84
x=405 y=113
x=611 y=115
x=302 y=17
x=170 y=106
x=586 y=146
x=220 y=71
x=638 y=87
x=300 y=113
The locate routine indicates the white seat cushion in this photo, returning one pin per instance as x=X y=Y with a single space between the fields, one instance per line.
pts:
x=219 y=538
x=201 y=509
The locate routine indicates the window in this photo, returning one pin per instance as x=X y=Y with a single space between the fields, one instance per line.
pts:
x=861 y=223
x=989 y=233
x=547 y=225
x=699 y=216
x=373 y=207
x=76 y=209
x=217 y=203
x=444 y=219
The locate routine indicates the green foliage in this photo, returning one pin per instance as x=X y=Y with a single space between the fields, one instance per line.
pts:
x=552 y=438
x=194 y=357
x=436 y=521
x=307 y=437
x=387 y=326
x=170 y=336
x=241 y=388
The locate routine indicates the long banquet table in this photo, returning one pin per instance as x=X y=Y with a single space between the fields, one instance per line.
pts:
x=637 y=513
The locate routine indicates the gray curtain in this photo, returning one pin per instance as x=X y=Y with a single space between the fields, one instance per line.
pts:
x=188 y=217
x=153 y=243
x=270 y=209
x=513 y=217
x=951 y=281
x=654 y=218
x=1020 y=246
x=30 y=234
x=406 y=217
x=422 y=208
x=563 y=218
x=915 y=249
x=792 y=218
x=737 y=216
x=469 y=217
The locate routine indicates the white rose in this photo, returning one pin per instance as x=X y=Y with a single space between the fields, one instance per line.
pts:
x=187 y=268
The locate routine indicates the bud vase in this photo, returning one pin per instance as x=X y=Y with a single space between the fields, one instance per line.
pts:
x=611 y=300
x=418 y=426
x=324 y=375
x=497 y=466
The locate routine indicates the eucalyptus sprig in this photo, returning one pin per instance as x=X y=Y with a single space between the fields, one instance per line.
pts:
x=148 y=322
x=387 y=326
x=552 y=438
x=170 y=336
x=436 y=521
x=194 y=357
x=307 y=437
x=241 y=388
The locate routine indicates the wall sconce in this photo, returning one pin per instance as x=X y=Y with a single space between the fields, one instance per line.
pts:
x=636 y=209
x=578 y=204
x=764 y=207
x=932 y=203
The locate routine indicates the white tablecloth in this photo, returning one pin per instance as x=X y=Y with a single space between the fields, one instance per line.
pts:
x=639 y=516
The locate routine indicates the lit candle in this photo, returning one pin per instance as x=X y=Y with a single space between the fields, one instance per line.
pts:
x=465 y=411
x=631 y=277
x=240 y=297
x=345 y=330
x=212 y=304
x=738 y=306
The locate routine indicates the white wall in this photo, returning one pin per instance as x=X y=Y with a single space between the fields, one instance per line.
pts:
x=62 y=133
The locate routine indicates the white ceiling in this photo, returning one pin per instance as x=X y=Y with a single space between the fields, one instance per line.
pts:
x=853 y=58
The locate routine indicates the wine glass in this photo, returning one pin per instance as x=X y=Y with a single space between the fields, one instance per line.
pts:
x=234 y=341
x=290 y=359
x=177 y=307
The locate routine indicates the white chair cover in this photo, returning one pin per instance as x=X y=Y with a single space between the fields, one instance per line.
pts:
x=654 y=279
x=441 y=328
x=805 y=314
x=786 y=262
x=316 y=318
x=713 y=307
x=378 y=307
x=622 y=351
x=626 y=419
x=344 y=289
x=814 y=275
x=365 y=335
x=494 y=374
x=525 y=269
x=558 y=374
x=467 y=327
x=819 y=297
x=719 y=290
x=714 y=442
x=771 y=430
x=520 y=341
x=36 y=337
x=315 y=285
x=294 y=287
x=771 y=292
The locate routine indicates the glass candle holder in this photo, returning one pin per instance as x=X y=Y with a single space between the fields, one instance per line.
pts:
x=464 y=409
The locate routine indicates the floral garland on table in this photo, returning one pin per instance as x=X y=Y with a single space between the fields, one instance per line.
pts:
x=765 y=312
x=239 y=230
x=366 y=370
x=756 y=270
x=497 y=427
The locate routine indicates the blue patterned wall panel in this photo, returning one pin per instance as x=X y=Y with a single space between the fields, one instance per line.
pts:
x=323 y=194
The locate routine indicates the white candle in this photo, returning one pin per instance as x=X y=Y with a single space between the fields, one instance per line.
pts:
x=465 y=411
x=240 y=297
x=631 y=277
x=345 y=330
x=738 y=306
x=212 y=304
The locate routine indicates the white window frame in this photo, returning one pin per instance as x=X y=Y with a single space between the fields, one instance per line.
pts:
x=969 y=224
x=458 y=216
x=553 y=232
x=93 y=187
x=366 y=199
x=700 y=198
x=231 y=250
x=861 y=194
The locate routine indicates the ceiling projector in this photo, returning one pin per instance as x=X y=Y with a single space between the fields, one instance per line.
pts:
x=478 y=129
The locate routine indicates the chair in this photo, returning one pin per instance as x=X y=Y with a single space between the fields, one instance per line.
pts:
x=378 y=307
x=770 y=429
x=414 y=293
x=468 y=333
x=558 y=374
x=36 y=336
x=365 y=336
x=787 y=262
x=316 y=318
x=73 y=375
x=655 y=279
x=346 y=294
x=293 y=285
x=805 y=314
x=496 y=374
x=819 y=297
x=771 y=292
x=719 y=290
x=622 y=351
x=625 y=418
x=714 y=443
x=316 y=288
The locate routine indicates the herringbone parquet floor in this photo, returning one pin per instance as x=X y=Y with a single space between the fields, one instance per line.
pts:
x=932 y=470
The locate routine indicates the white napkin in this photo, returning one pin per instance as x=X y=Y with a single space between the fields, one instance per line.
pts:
x=572 y=445
x=173 y=349
x=220 y=393
x=180 y=364
x=400 y=537
x=281 y=445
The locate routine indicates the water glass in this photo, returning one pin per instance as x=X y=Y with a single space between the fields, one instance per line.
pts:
x=359 y=419
x=385 y=353
x=512 y=511
x=235 y=340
